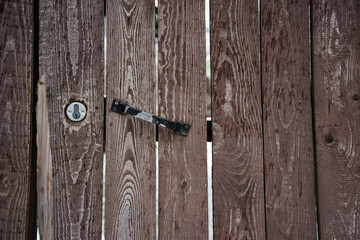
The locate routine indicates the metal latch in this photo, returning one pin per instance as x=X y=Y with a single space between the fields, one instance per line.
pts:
x=122 y=107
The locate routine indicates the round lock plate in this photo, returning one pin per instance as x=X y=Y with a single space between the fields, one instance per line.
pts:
x=76 y=111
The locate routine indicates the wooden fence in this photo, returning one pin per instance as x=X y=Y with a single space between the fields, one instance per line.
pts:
x=285 y=119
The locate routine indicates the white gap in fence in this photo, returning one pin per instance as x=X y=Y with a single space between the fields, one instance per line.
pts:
x=104 y=156
x=157 y=112
x=209 y=114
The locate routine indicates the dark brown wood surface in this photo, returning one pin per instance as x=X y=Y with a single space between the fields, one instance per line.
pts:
x=336 y=58
x=130 y=142
x=16 y=78
x=71 y=68
x=288 y=142
x=236 y=115
x=183 y=199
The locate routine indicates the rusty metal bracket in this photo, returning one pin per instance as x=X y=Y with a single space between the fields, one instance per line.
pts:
x=122 y=107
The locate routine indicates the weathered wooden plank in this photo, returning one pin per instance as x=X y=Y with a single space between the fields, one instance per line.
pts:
x=44 y=181
x=288 y=146
x=130 y=142
x=336 y=57
x=183 y=204
x=71 y=68
x=16 y=78
x=236 y=115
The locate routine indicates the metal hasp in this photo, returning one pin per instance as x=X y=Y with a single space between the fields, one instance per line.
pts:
x=122 y=107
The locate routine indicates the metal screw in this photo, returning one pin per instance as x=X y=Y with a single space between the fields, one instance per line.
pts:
x=76 y=111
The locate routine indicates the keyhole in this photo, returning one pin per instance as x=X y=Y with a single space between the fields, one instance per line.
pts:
x=76 y=113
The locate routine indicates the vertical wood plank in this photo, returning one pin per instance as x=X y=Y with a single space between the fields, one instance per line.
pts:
x=130 y=143
x=183 y=207
x=44 y=176
x=236 y=116
x=288 y=145
x=336 y=58
x=71 y=68
x=16 y=79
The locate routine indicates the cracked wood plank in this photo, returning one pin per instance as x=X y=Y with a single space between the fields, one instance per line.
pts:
x=71 y=68
x=237 y=124
x=130 y=144
x=16 y=79
x=44 y=166
x=183 y=199
x=336 y=58
x=288 y=142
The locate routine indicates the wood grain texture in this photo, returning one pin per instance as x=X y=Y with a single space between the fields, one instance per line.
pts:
x=288 y=145
x=183 y=199
x=16 y=77
x=130 y=142
x=44 y=173
x=71 y=68
x=236 y=115
x=336 y=57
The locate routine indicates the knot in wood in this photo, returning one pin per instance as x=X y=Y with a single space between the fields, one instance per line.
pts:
x=184 y=184
x=329 y=138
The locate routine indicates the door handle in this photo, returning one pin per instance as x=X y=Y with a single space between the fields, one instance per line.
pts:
x=122 y=107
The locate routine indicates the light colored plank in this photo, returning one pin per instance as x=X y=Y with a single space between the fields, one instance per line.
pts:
x=71 y=68
x=130 y=142
x=44 y=174
x=183 y=199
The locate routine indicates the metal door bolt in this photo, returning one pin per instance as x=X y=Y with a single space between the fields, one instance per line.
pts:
x=76 y=111
x=122 y=107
